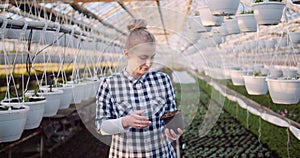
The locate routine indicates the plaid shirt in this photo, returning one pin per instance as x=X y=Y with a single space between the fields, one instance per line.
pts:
x=120 y=95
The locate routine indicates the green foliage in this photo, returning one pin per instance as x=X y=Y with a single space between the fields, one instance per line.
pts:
x=26 y=99
x=247 y=12
x=229 y=18
x=274 y=136
x=4 y=108
x=258 y=1
x=259 y=74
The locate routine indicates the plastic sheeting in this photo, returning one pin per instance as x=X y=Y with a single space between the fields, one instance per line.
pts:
x=182 y=77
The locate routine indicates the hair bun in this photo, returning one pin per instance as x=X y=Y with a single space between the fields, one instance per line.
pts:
x=137 y=24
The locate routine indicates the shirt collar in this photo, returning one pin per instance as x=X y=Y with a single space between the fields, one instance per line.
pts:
x=132 y=79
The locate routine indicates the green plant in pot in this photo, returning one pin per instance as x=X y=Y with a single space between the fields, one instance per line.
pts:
x=259 y=1
x=247 y=12
x=260 y=74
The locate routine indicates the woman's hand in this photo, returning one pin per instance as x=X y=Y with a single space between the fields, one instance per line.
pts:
x=135 y=120
x=172 y=135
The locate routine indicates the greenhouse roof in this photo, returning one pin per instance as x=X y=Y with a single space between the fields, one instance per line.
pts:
x=173 y=22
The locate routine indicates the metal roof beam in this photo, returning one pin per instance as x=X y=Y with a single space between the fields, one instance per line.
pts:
x=126 y=9
x=45 y=13
x=162 y=21
x=89 y=14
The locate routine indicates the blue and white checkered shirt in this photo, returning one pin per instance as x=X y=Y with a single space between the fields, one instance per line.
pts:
x=120 y=95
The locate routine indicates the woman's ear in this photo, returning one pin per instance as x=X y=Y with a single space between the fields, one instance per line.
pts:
x=126 y=52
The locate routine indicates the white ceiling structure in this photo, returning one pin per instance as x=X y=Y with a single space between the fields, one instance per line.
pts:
x=173 y=22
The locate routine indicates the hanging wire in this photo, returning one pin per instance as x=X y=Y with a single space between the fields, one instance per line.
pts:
x=259 y=129
x=288 y=142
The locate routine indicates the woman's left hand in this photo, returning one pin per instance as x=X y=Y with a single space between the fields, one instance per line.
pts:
x=172 y=135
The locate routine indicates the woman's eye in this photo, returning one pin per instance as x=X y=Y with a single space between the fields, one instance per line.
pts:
x=143 y=58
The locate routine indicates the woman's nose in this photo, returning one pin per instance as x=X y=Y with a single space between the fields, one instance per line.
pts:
x=148 y=62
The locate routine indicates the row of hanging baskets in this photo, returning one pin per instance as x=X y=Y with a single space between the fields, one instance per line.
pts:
x=264 y=13
x=17 y=114
x=283 y=85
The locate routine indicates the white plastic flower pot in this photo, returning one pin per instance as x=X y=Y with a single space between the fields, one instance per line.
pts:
x=217 y=73
x=12 y=123
x=96 y=86
x=284 y=91
x=237 y=77
x=217 y=38
x=270 y=44
x=257 y=68
x=35 y=114
x=264 y=71
x=247 y=22
x=256 y=85
x=268 y=13
x=295 y=37
x=208 y=19
x=223 y=7
x=88 y=90
x=66 y=97
x=232 y=26
x=78 y=92
x=16 y=34
x=53 y=101
x=275 y=73
x=282 y=42
x=289 y=73
x=223 y=29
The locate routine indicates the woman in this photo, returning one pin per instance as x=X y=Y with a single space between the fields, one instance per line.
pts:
x=130 y=104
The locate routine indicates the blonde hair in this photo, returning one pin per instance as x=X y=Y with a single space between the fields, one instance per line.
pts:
x=138 y=34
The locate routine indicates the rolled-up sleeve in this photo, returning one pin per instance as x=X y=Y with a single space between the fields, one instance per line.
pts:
x=170 y=97
x=104 y=107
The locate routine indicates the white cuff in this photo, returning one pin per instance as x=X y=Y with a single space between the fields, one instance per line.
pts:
x=112 y=126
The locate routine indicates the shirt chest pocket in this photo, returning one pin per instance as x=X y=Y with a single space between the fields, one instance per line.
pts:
x=123 y=108
x=157 y=106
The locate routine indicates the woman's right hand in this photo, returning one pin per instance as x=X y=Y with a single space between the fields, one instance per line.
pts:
x=135 y=120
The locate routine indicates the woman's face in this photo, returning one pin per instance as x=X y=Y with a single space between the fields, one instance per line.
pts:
x=140 y=58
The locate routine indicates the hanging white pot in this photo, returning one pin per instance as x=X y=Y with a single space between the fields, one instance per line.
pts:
x=295 y=37
x=256 y=85
x=223 y=29
x=237 y=77
x=257 y=68
x=16 y=34
x=284 y=91
x=78 y=93
x=232 y=26
x=270 y=44
x=223 y=7
x=247 y=22
x=217 y=38
x=53 y=100
x=275 y=73
x=282 y=42
x=35 y=114
x=89 y=89
x=289 y=73
x=264 y=71
x=96 y=85
x=268 y=13
x=208 y=19
x=217 y=73
x=12 y=123
x=66 y=97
